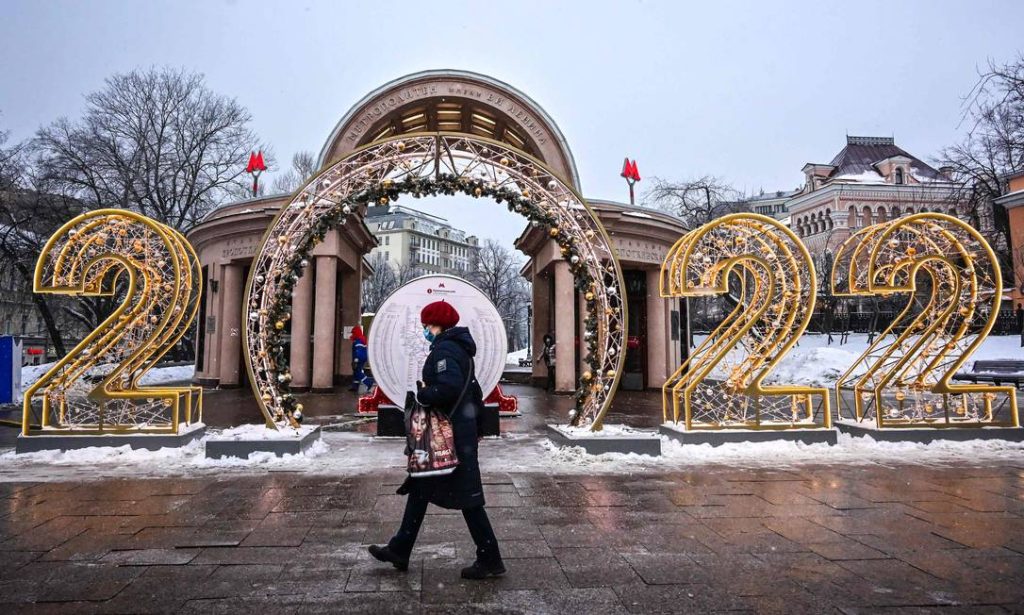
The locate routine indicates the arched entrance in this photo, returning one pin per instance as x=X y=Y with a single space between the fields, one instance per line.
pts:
x=422 y=164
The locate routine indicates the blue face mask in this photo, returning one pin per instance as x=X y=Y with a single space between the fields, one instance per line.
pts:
x=428 y=334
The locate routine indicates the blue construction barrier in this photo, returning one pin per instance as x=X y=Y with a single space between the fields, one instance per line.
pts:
x=10 y=370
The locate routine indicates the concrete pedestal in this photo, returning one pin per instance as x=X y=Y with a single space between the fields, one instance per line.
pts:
x=734 y=436
x=151 y=442
x=597 y=443
x=284 y=443
x=924 y=435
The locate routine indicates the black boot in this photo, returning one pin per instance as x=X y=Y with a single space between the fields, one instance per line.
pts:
x=480 y=570
x=385 y=554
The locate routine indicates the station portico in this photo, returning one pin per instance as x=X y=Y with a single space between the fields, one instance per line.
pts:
x=326 y=299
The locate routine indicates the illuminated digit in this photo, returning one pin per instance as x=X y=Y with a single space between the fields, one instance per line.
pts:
x=952 y=276
x=767 y=271
x=95 y=387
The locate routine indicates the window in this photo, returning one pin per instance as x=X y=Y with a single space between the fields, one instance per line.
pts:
x=899 y=175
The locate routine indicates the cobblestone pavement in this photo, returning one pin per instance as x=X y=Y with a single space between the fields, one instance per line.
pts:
x=818 y=539
x=886 y=537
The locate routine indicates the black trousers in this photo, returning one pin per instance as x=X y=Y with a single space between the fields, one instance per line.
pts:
x=550 y=386
x=476 y=520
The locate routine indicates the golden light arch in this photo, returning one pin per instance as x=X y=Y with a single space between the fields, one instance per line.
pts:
x=424 y=164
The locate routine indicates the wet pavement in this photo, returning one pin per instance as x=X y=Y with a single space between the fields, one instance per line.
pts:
x=885 y=537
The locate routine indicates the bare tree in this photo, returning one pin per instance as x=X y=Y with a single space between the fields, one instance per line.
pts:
x=156 y=141
x=992 y=149
x=303 y=167
x=30 y=212
x=695 y=201
x=495 y=271
x=379 y=284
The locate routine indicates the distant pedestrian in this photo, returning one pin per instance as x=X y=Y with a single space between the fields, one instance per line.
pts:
x=360 y=355
x=1020 y=322
x=547 y=354
x=449 y=385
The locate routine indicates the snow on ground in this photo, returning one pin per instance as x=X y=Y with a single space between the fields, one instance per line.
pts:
x=815 y=362
x=157 y=375
x=351 y=453
x=260 y=432
x=513 y=357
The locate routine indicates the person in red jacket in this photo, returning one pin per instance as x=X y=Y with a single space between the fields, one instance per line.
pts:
x=360 y=355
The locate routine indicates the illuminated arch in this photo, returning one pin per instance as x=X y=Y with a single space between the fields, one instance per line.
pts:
x=424 y=164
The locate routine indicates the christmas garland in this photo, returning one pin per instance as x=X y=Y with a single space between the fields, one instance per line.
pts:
x=387 y=191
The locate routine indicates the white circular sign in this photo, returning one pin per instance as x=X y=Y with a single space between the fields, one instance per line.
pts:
x=398 y=349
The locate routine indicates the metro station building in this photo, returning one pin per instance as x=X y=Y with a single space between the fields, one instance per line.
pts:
x=327 y=298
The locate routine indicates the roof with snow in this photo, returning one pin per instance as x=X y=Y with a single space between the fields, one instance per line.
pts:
x=858 y=160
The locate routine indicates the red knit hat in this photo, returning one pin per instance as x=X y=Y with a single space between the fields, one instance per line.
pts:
x=441 y=314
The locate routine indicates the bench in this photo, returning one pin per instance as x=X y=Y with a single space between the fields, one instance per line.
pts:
x=996 y=371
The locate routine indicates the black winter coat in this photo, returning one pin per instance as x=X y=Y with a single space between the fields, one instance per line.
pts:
x=444 y=375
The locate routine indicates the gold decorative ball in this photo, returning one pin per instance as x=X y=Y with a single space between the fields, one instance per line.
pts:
x=587 y=376
x=262 y=354
x=383 y=200
x=477 y=191
x=281 y=239
x=900 y=395
x=589 y=296
x=526 y=193
x=387 y=183
x=553 y=231
x=400 y=146
x=911 y=250
x=503 y=162
x=299 y=407
x=279 y=325
x=610 y=373
x=266 y=398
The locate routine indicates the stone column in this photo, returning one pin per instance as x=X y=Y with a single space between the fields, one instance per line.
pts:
x=302 y=327
x=231 y=325
x=350 y=311
x=540 y=324
x=658 y=335
x=323 y=323
x=565 y=329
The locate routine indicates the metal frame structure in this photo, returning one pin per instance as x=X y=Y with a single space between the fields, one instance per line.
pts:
x=422 y=162
x=95 y=388
x=766 y=268
x=955 y=287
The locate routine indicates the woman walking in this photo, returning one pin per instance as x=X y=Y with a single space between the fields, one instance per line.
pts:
x=447 y=369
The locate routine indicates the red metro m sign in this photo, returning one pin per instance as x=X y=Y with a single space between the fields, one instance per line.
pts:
x=632 y=176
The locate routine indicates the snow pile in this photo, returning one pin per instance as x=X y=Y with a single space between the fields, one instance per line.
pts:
x=811 y=366
x=607 y=431
x=156 y=376
x=815 y=362
x=262 y=432
x=513 y=357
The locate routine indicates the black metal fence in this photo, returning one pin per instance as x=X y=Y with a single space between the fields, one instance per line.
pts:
x=855 y=322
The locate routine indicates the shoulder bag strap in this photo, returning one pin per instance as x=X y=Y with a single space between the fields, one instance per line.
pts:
x=465 y=387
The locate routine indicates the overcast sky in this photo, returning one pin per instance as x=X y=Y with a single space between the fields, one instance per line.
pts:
x=745 y=90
